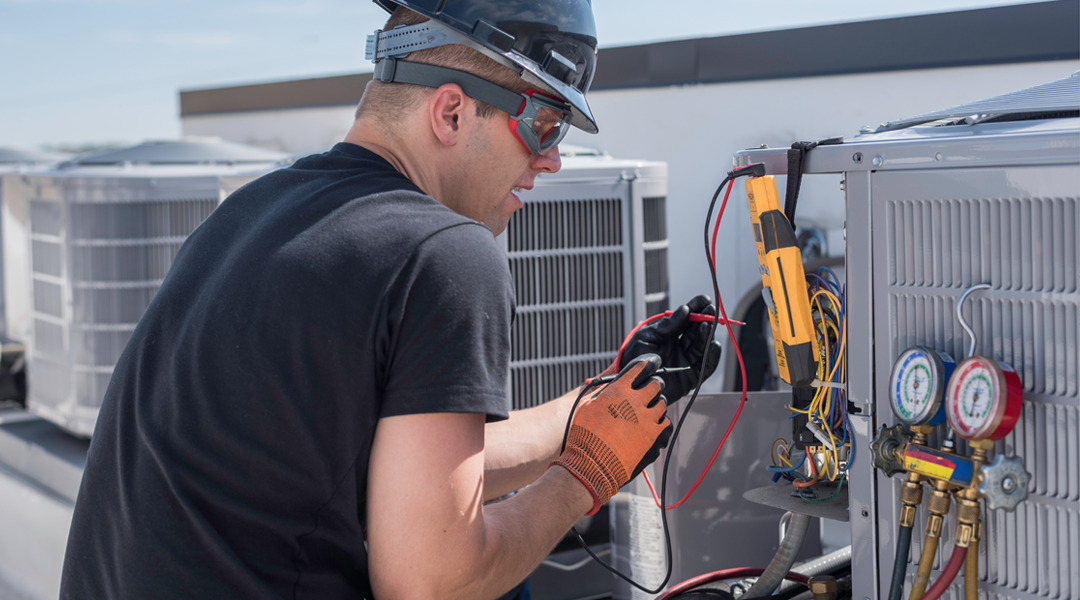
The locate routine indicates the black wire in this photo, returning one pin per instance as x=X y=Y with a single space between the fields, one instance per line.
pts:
x=674 y=436
x=581 y=540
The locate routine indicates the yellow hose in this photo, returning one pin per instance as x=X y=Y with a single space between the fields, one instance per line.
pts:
x=926 y=564
x=971 y=571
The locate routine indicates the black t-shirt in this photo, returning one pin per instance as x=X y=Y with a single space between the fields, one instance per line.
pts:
x=230 y=457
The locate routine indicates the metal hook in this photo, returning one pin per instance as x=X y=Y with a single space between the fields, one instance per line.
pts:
x=960 y=315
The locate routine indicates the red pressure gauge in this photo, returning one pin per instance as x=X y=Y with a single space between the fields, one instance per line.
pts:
x=984 y=399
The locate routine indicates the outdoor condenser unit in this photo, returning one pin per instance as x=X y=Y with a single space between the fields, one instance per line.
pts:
x=588 y=254
x=16 y=160
x=987 y=192
x=100 y=233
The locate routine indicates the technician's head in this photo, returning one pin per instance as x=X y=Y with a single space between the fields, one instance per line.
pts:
x=523 y=66
x=546 y=48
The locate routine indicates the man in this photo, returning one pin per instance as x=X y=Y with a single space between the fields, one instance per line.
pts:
x=314 y=406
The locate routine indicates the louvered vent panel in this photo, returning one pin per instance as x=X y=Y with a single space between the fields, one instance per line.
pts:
x=1027 y=250
x=587 y=254
x=656 y=272
x=1038 y=338
x=554 y=225
x=655 y=218
x=569 y=266
x=1013 y=244
x=535 y=384
x=571 y=331
x=565 y=278
x=657 y=276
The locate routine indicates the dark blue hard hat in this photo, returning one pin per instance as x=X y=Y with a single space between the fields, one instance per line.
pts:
x=551 y=43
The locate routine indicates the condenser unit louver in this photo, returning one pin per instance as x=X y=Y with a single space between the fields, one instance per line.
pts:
x=102 y=232
x=588 y=254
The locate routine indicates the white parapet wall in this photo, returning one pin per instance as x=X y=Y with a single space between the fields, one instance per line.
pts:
x=696 y=129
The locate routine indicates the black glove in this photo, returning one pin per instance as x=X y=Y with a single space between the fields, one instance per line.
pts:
x=679 y=343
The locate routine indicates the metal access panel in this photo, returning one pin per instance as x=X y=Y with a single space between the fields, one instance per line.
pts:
x=588 y=255
x=99 y=248
x=938 y=232
x=933 y=209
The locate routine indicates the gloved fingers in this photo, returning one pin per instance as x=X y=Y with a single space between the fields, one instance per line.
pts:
x=692 y=343
x=700 y=304
x=712 y=358
x=659 y=398
x=674 y=324
x=642 y=368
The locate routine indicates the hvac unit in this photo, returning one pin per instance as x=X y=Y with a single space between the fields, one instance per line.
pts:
x=102 y=233
x=984 y=193
x=588 y=254
x=15 y=160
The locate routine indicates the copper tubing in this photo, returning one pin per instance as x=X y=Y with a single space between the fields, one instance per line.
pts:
x=937 y=507
x=926 y=563
x=971 y=571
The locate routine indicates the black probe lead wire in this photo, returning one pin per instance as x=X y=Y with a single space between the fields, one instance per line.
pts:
x=674 y=436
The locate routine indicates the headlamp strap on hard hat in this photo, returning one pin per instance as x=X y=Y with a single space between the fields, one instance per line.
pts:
x=392 y=70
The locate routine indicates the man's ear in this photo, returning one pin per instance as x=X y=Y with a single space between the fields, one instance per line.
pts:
x=446 y=110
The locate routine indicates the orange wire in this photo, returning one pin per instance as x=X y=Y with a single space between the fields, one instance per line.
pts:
x=813 y=477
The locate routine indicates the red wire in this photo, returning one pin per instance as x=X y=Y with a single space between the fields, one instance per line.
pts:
x=948 y=575
x=736 y=573
x=742 y=369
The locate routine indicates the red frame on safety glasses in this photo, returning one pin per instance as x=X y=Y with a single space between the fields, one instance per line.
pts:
x=538 y=137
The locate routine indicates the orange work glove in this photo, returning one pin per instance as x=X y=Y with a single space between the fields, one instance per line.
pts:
x=618 y=431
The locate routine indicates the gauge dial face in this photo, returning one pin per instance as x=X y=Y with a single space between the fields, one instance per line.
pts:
x=976 y=398
x=916 y=386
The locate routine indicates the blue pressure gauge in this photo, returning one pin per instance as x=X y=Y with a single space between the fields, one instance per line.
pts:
x=917 y=385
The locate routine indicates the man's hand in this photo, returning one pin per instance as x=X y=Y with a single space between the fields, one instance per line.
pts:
x=679 y=343
x=618 y=431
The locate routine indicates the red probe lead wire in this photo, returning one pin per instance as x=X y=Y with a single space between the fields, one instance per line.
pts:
x=742 y=368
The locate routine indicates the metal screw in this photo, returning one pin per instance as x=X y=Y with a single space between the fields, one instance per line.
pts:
x=857 y=157
x=1008 y=484
x=878 y=161
x=937 y=156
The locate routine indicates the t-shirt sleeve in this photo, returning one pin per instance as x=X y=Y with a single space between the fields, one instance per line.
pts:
x=451 y=346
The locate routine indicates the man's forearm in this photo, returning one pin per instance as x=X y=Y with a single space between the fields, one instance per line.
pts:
x=518 y=450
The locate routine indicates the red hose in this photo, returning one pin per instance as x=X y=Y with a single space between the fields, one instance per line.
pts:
x=736 y=573
x=947 y=576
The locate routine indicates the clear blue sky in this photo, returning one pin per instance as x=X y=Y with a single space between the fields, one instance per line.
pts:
x=110 y=71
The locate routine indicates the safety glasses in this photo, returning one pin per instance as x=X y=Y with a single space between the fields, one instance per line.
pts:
x=538 y=120
x=541 y=122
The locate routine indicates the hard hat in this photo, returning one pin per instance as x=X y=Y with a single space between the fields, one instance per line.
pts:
x=551 y=43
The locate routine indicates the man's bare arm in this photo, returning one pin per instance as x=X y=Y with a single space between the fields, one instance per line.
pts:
x=430 y=534
x=519 y=449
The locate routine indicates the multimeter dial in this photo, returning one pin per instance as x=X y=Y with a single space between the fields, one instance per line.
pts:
x=984 y=399
x=917 y=386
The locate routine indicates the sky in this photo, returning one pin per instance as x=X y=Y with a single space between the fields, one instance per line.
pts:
x=94 y=72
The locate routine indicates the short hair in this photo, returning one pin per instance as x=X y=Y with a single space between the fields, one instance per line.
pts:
x=387 y=99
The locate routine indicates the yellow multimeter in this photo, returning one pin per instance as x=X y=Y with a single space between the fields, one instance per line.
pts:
x=783 y=284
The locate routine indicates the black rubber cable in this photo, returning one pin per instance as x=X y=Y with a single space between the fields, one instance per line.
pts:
x=899 y=570
x=686 y=411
